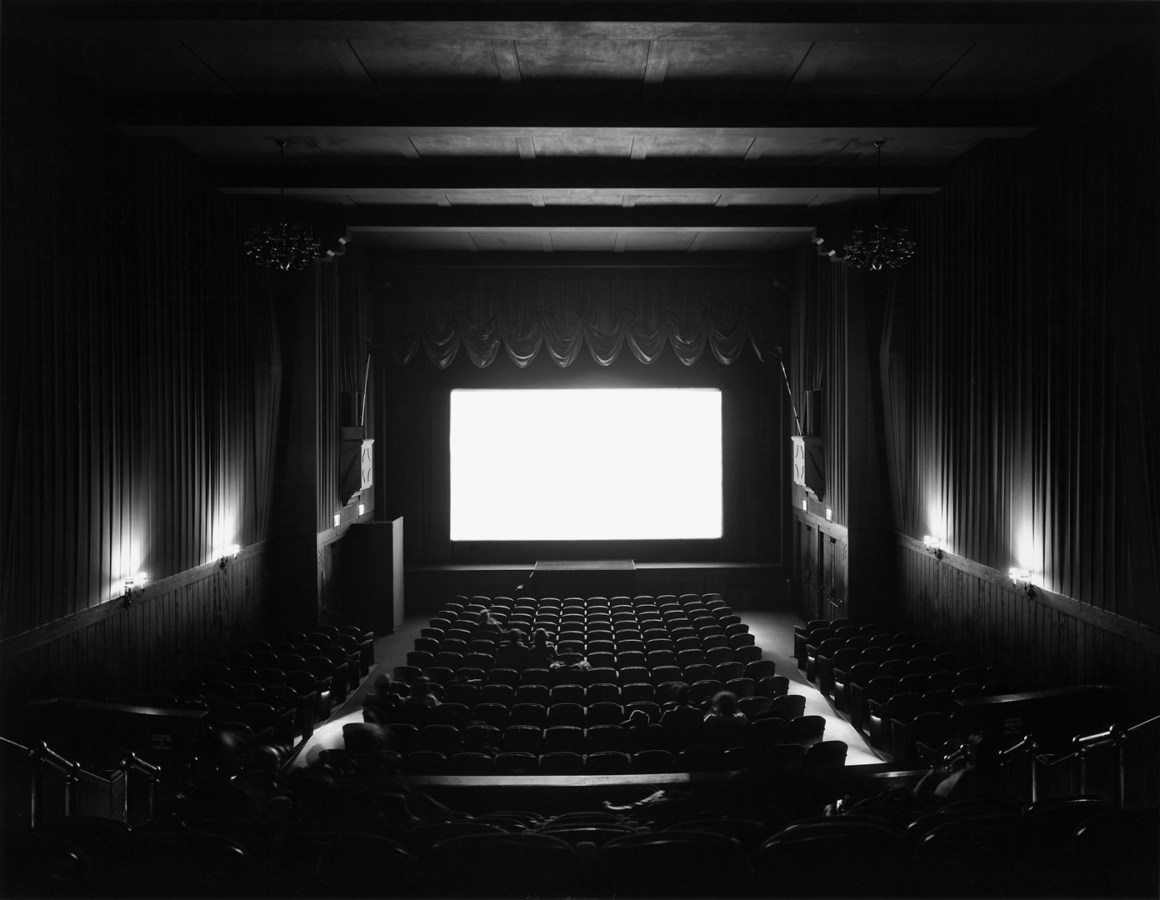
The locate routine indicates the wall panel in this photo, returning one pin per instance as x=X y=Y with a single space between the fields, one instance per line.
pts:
x=1044 y=640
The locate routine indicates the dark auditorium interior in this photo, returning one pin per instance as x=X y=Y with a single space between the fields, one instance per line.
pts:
x=279 y=618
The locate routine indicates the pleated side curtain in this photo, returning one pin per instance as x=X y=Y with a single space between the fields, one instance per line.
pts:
x=602 y=317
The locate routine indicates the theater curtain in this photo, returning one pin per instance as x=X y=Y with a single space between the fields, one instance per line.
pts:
x=562 y=317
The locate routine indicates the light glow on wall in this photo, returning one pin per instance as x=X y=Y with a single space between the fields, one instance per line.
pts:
x=1028 y=550
x=586 y=464
x=223 y=536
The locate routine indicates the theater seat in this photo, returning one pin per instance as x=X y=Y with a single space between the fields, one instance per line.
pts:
x=751 y=833
x=516 y=763
x=1114 y=854
x=471 y=763
x=184 y=862
x=806 y=730
x=561 y=762
x=825 y=755
x=505 y=865
x=608 y=762
x=653 y=761
x=607 y=737
x=788 y=707
x=830 y=859
x=671 y=864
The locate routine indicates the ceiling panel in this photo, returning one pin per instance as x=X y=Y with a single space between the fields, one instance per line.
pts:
x=118 y=65
x=676 y=198
x=585 y=197
x=1023 y=68
x=773 y=64
x=494 y=198
x=563 y=143
x=446 y=241
x=585 y=242
x=465 y=144
x=404 y=197
x=587 y=59
x=262 y=66
x=708 y=142
x=511 y=241
x=769 y=197
x=788 y=240
x=711 y=241
x=874 y=68
x=408 y=61
x=655 y=241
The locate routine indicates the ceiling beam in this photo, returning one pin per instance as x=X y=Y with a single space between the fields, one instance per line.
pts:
x=579 y=219
x=747 y=20
x=734 y=260
x=546 y=176
x=619 y=106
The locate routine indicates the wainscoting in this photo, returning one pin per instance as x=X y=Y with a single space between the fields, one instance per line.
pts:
x=113 y=650
x=1041 y=640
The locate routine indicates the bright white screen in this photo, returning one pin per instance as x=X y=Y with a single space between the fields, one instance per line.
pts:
x=569 y=465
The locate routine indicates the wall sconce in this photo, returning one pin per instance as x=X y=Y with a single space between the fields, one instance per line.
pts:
x=337 y=519
x=362 y=509
x=227 y=554
x=1022 y=577
x=829 y=514
x=133 y=584
x=934 y=545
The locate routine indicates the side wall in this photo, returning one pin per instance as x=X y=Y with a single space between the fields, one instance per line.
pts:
x=141 y=388
x=1015 y=387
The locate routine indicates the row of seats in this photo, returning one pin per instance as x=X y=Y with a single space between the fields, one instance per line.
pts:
x=545 y=686
x=276 y=691
x=756 y=669
x=785 y=706
x=897 y=689
x=1047 y=850
x=536 y=737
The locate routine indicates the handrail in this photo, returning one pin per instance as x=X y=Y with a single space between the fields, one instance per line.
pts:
x=1025 y=747
x=1027 y=742
x=1084 y=742
x=133 y=763
x=1143 y=724
x=44 y=755
x=1114 y=736
x=41 y=755
x=12 y=743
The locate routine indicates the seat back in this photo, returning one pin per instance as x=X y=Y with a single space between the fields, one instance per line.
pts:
x=504 y=865
x=671 y=864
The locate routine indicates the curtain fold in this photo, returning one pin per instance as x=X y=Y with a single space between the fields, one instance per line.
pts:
x=567 y=316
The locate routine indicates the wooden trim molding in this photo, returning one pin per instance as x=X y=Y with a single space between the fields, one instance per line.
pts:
x=1134 y=631
x=45 y=634
x=834 y=530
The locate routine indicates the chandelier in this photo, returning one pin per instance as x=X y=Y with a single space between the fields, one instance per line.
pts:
x=282 y=245
x=884 y=247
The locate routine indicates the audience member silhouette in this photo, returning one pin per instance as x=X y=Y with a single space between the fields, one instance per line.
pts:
x=725 y=724
x=542 y=652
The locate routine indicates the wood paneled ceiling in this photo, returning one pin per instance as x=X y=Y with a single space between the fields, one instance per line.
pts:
x=576 y=126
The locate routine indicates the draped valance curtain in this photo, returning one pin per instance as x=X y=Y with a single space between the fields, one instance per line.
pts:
x=486 y=314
